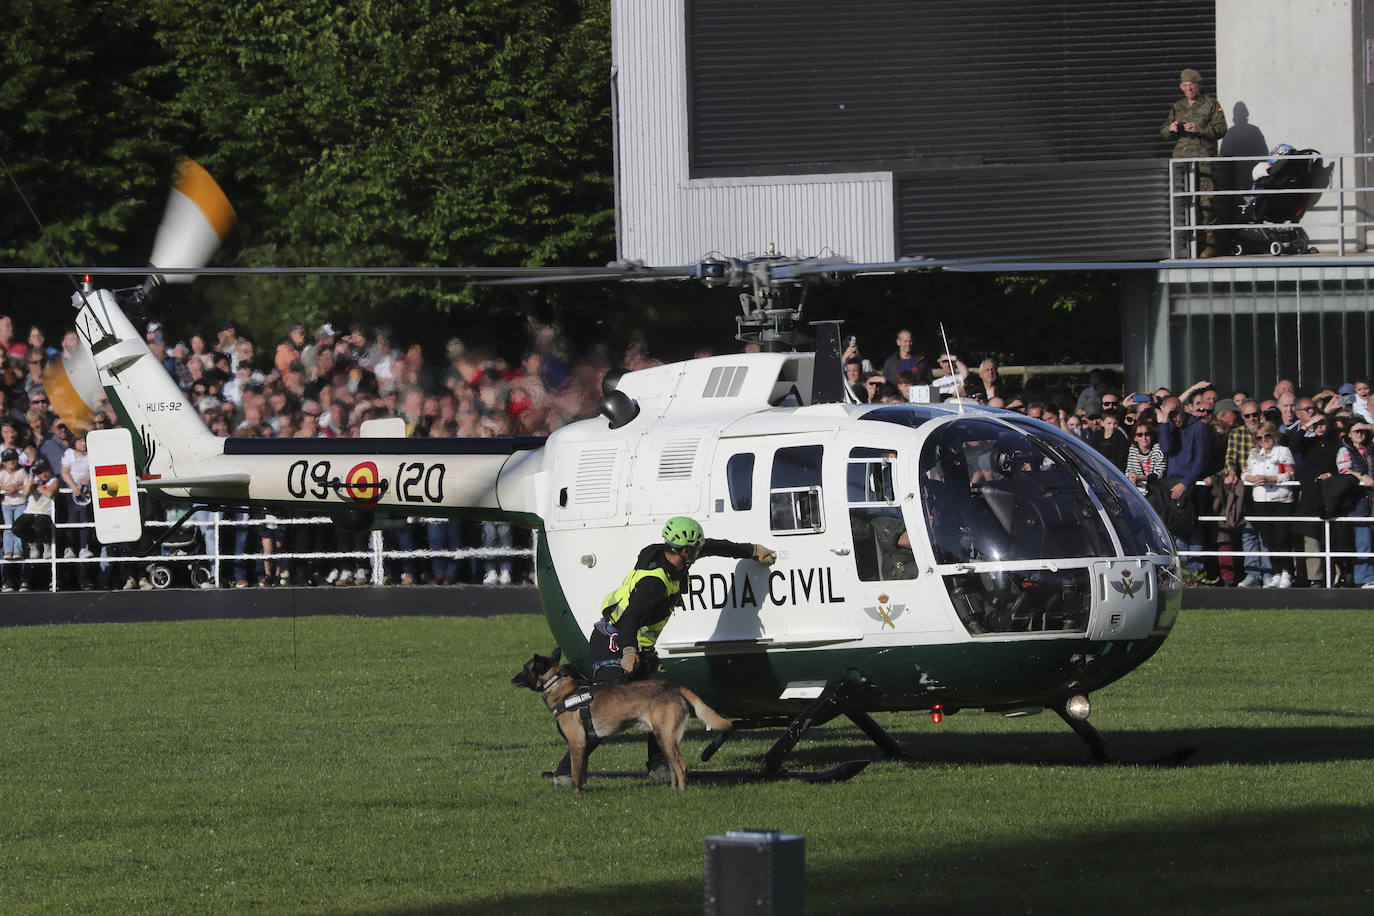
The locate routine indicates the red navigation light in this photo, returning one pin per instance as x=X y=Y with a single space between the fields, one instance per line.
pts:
x=85 y=283
x=937 y=713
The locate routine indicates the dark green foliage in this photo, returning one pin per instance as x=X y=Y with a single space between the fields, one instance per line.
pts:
x=419 y=133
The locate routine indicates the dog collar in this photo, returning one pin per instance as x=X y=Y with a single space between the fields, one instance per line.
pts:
x=550 y=682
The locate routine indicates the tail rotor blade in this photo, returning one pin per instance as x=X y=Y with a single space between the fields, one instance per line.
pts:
x=197 y=221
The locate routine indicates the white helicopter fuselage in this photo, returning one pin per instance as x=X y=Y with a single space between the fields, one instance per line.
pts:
x=1034 y=570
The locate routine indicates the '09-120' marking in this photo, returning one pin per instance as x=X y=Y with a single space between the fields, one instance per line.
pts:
x=416 y=482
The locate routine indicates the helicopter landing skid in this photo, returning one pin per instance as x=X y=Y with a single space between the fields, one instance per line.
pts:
x=838 y=773
x=825 y=707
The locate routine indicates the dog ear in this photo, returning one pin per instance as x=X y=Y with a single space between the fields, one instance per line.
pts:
x=557 y=654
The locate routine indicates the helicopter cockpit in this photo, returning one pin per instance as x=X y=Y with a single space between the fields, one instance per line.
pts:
x=1023 y=513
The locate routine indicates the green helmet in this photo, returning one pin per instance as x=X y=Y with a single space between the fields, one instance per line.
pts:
x=681 y=531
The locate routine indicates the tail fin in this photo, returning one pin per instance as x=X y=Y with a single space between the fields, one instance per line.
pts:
x=169 y=437
x=705 y=713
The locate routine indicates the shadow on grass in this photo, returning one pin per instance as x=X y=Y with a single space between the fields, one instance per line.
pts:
x=1274 y=861
x=1229 y=745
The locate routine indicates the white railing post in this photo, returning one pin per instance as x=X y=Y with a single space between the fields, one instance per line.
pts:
x=1340 y=205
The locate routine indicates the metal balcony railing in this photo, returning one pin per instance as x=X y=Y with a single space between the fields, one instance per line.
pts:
x=1339 y=213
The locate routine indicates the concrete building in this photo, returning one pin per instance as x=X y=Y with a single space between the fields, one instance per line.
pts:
x=880 y=129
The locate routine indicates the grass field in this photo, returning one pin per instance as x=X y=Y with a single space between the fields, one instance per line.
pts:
x=342 y=765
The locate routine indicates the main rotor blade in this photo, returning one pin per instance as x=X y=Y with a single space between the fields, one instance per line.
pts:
x=514 y=274
x=1005 y=264
x=715 y=272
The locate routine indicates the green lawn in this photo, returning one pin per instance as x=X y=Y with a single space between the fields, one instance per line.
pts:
x=342 y=765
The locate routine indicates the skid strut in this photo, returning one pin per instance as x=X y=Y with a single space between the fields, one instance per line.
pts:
x=1091 y=736
x=825 y=707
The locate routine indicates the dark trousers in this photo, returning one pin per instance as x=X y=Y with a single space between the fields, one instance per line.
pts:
x=1275 y=535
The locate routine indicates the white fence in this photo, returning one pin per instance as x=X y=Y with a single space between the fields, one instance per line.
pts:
x=202 y=562
x=380 y=556
x=1324 y=553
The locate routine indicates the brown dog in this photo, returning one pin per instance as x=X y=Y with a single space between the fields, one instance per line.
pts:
x=654 y=705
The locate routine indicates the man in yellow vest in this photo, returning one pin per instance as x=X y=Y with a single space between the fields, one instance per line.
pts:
x=622 y=641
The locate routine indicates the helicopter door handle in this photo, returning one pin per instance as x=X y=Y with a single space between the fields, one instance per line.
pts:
x=840 y=551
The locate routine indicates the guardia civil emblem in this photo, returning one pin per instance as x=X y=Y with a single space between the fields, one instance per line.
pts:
x=886 y=611
x=1126 y=586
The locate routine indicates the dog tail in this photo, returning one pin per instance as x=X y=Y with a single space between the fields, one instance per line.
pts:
x=705 y=713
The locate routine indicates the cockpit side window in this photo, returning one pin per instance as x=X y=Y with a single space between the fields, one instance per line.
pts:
x=794 y=495
x=882 y=546
x=739 y=478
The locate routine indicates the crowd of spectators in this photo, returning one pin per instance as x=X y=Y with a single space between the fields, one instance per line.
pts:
x=324 y=384
x=1194 y=454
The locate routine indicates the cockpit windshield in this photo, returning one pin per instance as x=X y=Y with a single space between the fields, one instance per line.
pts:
x=993 y=493
x=1137 y=526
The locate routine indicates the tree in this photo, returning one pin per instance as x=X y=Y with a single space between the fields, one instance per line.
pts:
x=411 y=133
x=85 y=133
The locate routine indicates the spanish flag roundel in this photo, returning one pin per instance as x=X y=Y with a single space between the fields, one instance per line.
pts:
x=363 y=482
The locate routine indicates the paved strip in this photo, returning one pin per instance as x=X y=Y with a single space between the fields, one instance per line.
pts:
x=138 y=606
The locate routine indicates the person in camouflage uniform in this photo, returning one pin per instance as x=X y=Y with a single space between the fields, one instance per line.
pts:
x=1196 y=123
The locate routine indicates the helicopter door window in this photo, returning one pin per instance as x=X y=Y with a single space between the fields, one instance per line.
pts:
x=794 y=494
x=739 y=478
x=882 y=547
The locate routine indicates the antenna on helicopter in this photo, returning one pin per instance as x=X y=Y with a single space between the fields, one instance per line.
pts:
x=959 y=386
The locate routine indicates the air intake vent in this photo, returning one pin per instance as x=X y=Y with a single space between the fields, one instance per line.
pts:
x=724 y=382
x=595 y=474
x=679 y=456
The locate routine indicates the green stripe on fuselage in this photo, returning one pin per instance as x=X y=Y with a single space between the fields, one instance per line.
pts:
x=977 y=674
x=566 y=631
x=122 y=415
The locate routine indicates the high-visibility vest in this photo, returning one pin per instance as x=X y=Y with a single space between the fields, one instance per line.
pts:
x=616 y=602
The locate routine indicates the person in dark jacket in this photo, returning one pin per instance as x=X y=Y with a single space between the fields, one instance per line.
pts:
x=632 y=617
x=907 y=360
x=1315 y=451
x=1111 y=440
x=1186 y=442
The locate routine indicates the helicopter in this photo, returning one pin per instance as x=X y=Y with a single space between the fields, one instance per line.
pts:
x=933 y=557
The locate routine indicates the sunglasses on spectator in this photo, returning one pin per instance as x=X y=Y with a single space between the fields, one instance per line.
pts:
x=1142 y=435
x=1251 y=416
x=1106 y=403
x=1267 y=436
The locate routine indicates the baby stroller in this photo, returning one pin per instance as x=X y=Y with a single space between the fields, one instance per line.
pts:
x=170 y=569
x=1280 y=172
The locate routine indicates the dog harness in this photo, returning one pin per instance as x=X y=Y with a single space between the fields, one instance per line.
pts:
x=579 y=701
